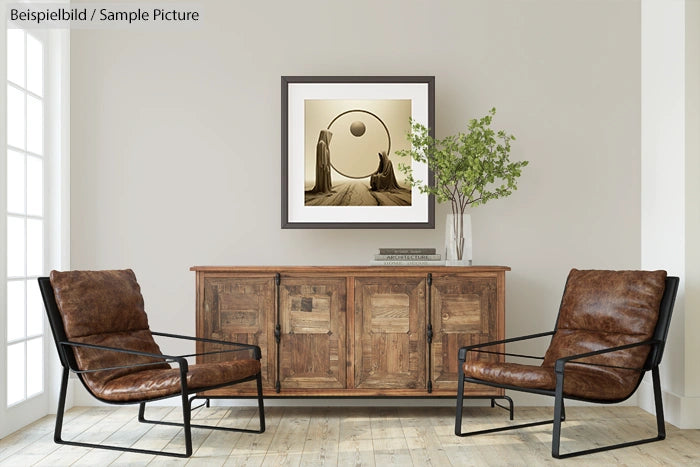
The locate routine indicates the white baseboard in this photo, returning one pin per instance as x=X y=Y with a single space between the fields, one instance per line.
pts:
x=680 y=411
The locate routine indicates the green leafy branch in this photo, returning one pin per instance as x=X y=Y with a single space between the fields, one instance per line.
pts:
x=469 y=168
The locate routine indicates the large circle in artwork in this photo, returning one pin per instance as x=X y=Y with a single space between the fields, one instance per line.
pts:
x=358 y=138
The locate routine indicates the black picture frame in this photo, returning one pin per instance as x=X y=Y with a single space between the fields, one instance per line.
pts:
x=298 y=93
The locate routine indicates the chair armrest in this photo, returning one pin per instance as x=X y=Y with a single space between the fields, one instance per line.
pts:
x=180 y=360
x=559 y=364
x=463 y=351
x=255 y=348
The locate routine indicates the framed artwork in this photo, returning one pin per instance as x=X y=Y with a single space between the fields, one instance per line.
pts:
x=340 y=137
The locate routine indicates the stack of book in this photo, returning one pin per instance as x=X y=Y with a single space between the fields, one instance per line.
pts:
x=407 y=257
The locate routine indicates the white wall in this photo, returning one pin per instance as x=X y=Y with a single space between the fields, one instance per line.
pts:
x=692 y=213
x=172 y=131
x=670 y=194
x=663 y=159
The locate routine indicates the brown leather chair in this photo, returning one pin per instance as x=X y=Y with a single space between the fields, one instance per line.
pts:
x=101 y=332
x=611 y=330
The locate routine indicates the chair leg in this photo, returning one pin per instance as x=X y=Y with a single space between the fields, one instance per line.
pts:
x=261 y=404
x=208 y=427
x=142 y=412
x=186 y=422
x=59 y=426
x=458 y=417
x=460 y=400
x=460 y=407
x=558 y=414
x=61 y=408
x=658 y=402
x=187 y=409
x=660 y=424
x=507 y=399
x=563 y=410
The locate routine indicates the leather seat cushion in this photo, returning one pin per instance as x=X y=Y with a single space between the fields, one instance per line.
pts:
x=93 y=359
x=581 y=381
x=147 y=384
x=514 y=374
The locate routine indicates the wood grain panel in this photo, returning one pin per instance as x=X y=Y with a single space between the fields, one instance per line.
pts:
x=312 y=346
x=464 y=312
x=390 y=330
x=390 y=313
x=239 y=309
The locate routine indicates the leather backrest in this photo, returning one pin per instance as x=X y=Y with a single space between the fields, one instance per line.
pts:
x=602 y=309
x=99 y=302
x=104 y=308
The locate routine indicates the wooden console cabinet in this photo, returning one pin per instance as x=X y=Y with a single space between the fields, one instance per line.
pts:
x=353 y=330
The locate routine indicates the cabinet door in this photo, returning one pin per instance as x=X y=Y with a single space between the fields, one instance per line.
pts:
x=464 y=312
x=312 y=324
x=390 y=332
x=239 y=309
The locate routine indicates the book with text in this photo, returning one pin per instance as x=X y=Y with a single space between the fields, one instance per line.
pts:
x=407 y=251
x=407 y=257
x=375 y=262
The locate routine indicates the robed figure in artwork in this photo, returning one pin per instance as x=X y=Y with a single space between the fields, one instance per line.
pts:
x=384 y=179
x=323 y=164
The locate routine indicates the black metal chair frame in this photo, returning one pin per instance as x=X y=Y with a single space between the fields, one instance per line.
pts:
x=63 y=345
x=657 y=344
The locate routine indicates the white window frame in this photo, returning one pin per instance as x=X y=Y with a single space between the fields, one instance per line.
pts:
x=56 y=214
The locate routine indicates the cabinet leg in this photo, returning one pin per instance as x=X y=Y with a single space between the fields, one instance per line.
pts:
x=509 y=408
x=510 y=404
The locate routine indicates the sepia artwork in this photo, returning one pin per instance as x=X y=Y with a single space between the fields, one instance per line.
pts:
x=340 y=138
x=350 y=160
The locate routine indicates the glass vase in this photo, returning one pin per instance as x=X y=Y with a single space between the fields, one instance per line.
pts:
x=458 y=240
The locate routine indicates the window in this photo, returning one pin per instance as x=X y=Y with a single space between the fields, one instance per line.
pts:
x=25 y=222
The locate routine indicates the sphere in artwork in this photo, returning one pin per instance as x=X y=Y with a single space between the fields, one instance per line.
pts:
x=357 y=128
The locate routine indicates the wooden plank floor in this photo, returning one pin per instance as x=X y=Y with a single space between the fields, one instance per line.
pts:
x=353 y=436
